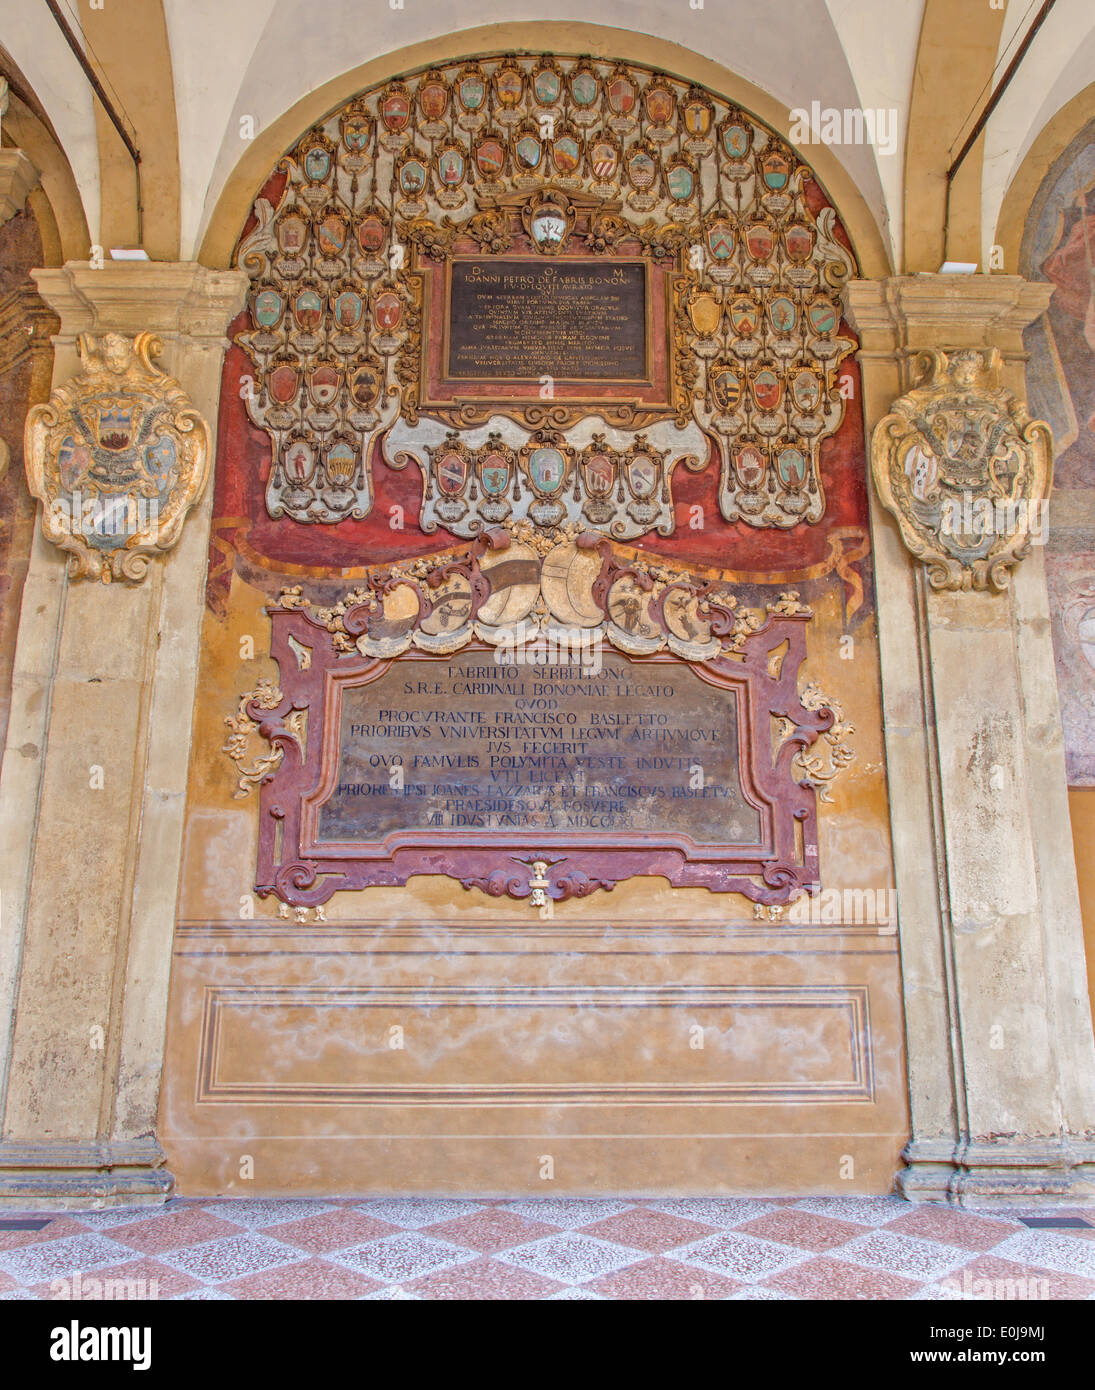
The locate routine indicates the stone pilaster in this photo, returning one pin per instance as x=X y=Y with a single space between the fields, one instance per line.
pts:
x=998 y=1020
x=92 y=797
x=27 y=327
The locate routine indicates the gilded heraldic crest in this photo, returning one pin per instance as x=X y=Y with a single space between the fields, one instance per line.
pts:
x=117 y=457
x=964 y=469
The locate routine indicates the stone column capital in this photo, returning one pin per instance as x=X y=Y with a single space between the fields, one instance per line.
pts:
x=906 y=314
x=173 y=299
x=18 y=177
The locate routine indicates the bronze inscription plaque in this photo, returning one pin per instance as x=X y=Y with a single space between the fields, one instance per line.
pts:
x=624 y=749
x=519 y=320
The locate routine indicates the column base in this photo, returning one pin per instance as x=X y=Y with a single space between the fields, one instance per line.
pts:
x=89 y=1176
x=1036 y=1172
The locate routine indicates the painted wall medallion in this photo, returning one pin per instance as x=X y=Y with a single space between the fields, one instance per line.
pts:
x=547 y=84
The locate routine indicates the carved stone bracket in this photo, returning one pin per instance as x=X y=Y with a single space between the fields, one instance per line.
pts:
x=117 y=457
x=242 y=726
x=964 y=469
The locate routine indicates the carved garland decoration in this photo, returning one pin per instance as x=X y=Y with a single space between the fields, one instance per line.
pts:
x=585 y=163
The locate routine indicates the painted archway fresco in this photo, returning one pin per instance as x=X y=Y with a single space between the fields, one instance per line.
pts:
x=1059 y=246
x=544 y=392
x=427 y=186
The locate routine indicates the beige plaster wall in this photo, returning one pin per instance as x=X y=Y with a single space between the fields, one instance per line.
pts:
x=278 y=1042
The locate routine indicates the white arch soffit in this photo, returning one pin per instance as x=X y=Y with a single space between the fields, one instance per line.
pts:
x=1059 y=64
x=303 y=45
x=880 y=43
x=206 y=72
x=31 y=36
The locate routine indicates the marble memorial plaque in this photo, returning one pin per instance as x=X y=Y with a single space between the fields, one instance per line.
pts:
x=635 y=748
x=573 y=320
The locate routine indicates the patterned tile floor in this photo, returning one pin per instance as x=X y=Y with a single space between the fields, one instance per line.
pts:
x=550 y=1248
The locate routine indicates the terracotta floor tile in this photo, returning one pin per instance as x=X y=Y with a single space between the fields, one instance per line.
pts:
x=1049 y=1250
x=257 y=1212
x=411 y=1213
x=134 y=1281
x=726 y=1248
x=664 y=1279
x=645 y=1229
x=334 y=1230
x=109 y=1217
x=803 y=1229
x=951 y=1227
x=722 y=1212
x=826 y=1277
x=308 y=1279
x=567 y=1212
x=863 y=1211
x=52 y=1259
x=739 y=1256
x=944 y=1292
x=56 y=1227
x=192 y=1226
x=484 y=1279
x=491 y=1229
x=992 y=1277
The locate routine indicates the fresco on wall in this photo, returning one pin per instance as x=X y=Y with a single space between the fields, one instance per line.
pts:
x=540 y=467
x=1059 y=247
x=348 y=401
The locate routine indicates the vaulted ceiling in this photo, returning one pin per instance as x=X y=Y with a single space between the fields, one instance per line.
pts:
x=185 y=73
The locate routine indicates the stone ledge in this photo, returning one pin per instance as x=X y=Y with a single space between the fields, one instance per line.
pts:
x=1034 y=1172
x=88 y=1176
